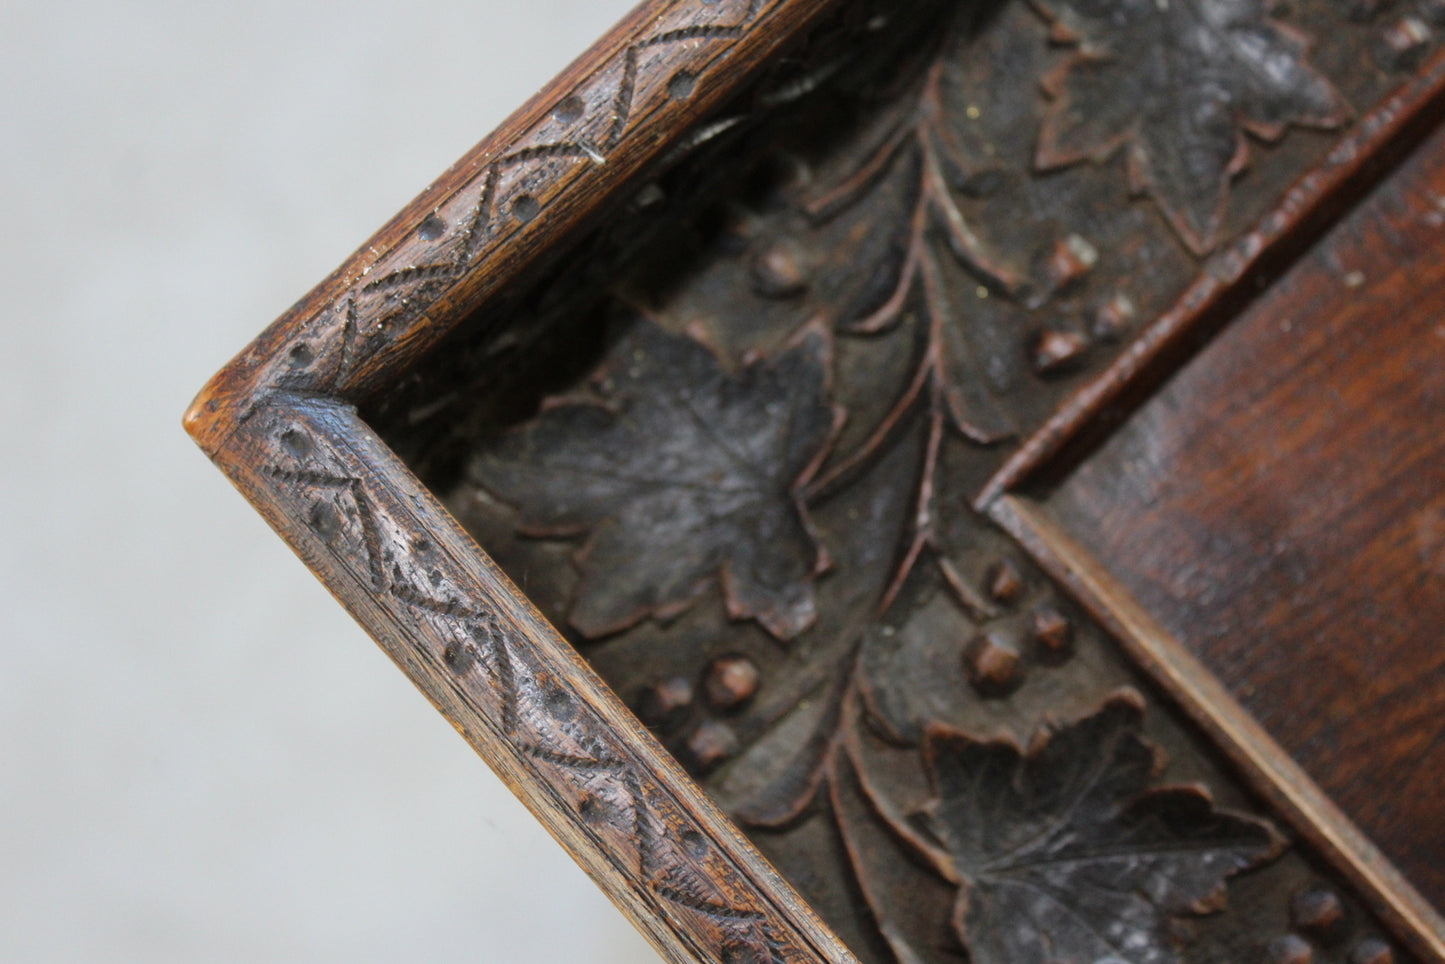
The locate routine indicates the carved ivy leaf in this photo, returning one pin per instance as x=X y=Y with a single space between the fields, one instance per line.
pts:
x=1064 y=854
x=777 y=778
x=684 y=472
x=912 y=675
x=1176 y=81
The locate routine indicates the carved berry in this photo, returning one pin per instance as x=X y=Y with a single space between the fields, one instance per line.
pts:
x=1319 y=913
x=1372 y=950
x=1114 y=318
x=1290 y=949
x=526 y=208
x=325 y=521
x=694 y=843
x=1057 y=351
x=1052 y=634
x=1005 y=584
x=779 y=271
x=710 y=744
x=1403 y=44
x=992 y=664
x=1072 y=258
x=662 y=703
x=560 y=704
x=730 y=681
x=459 y=656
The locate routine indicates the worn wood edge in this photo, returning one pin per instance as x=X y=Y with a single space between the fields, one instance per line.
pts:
x=566 y=168
x=1305 y=214
x=679 y=912
x=668 y=903
x=1204 y=698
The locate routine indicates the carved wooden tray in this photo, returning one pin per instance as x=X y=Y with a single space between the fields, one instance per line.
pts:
x=973 y=472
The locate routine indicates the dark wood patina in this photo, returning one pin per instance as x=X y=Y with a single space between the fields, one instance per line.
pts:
x=783 y=354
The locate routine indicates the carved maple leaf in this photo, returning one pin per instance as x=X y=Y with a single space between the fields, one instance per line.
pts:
x=684 y=472
x=1177 y=81
x=1064 y=854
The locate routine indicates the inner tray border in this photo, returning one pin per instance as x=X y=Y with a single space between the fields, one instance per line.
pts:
x=1374 y=148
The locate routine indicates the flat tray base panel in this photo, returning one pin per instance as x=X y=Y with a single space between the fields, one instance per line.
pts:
x=1280 y=508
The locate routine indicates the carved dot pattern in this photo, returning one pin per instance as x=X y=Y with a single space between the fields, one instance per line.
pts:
x=372 y=307
x=570 y=109
x=682 y=84
x=539 y=729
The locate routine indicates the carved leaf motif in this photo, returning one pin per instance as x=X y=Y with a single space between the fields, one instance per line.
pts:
x=1176 y=81
x=1063 y=852
x=779 y=776
x=914 y=675
x=907 y=273
x=685 y=472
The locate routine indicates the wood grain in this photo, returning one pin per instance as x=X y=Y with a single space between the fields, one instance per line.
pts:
x=1273 y=773
x=279 y=422
x=516 y=690
x=613 y=489
x=1280 y=507
x=385 y=329
x=1233 y=278
x=533 y=182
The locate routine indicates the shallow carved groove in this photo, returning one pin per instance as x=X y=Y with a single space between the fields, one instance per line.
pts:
x=367 y=532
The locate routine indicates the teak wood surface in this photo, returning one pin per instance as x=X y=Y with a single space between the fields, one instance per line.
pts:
x=1207 y=439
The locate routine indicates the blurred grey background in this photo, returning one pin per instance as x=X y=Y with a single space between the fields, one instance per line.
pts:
x=201 y=757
